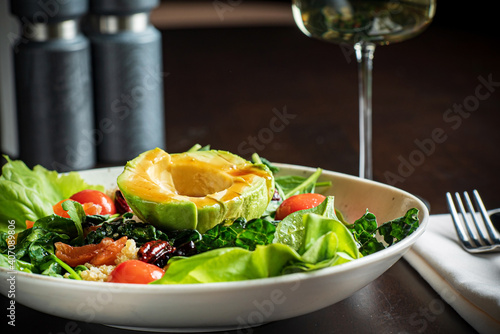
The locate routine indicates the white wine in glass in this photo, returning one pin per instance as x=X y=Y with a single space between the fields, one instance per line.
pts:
x=363 y=24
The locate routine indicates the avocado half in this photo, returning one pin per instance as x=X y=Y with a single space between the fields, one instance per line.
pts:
x=195 y=190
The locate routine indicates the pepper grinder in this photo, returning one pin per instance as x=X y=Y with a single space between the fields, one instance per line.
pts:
x=53 y=85
x=128 y=82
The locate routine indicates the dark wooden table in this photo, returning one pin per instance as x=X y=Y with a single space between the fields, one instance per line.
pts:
x=436 y=129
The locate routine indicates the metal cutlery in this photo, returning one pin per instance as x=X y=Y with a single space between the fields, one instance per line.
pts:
x=479 y=234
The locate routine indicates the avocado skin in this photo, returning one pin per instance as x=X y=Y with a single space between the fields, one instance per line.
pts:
x=179 y=212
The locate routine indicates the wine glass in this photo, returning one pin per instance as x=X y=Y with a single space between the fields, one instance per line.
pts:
x=363 y=24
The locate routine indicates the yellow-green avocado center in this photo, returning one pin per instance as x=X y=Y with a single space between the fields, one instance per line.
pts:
x=195 y=190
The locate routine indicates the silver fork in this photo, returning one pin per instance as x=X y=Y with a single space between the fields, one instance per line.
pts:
x=476 y=240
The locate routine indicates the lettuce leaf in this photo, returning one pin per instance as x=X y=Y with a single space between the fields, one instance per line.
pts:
x=290 y=230
x=228 y=264
x=326 y=242
x=27 y=194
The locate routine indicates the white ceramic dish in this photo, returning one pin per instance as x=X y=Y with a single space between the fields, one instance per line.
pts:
x=232 y=305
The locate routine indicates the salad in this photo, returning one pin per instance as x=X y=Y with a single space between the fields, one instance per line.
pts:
x=58 y=225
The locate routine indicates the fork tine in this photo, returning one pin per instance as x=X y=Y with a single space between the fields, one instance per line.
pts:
x=467 y=221
x=486 y=218
x=458 y=227
x=472 y=212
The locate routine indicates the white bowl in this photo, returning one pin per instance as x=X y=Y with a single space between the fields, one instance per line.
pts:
x=231 y=305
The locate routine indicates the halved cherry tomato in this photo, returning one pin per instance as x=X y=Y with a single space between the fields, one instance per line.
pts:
x=89 y=208
x=96 y=197
x=135 y=271
x=29 y=224
x=298 y=202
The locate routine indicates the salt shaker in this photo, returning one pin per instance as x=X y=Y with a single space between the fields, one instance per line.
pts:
x=128 y=81
x=53 y=85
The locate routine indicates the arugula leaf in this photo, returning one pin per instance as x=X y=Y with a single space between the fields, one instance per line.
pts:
x=78 y=217
x=294 y=184
x=27 y=194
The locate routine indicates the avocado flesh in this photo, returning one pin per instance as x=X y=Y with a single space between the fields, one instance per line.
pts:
x=195 y=190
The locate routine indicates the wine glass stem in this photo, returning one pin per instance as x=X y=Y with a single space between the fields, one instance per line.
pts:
x=364 y=55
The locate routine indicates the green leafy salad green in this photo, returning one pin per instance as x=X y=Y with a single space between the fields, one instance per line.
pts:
x=27 y=194
x=303 y=241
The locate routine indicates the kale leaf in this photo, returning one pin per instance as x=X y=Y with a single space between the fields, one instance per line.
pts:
x=368 y=234
x=241 y=233
x=399 y=228
x=137 y=231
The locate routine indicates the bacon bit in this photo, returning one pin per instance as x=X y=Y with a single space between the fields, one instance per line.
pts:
x=104 y=253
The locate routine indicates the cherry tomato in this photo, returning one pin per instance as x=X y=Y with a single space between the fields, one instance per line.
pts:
x=89 y=208
x=96 y=197
x=298 y=202
x=135 y=271
x=29 y=224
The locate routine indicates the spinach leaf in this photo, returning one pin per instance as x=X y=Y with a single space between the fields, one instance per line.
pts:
x=51 y=268
x=34 y=249
x=40 y=251
x=59 y=225
x=74 y=274
x=11 y=262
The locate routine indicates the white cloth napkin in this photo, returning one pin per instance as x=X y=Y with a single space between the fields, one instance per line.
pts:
x=469 y=283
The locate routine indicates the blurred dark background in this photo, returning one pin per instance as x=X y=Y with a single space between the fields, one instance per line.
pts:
x=225 y=77
x=480 y=16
